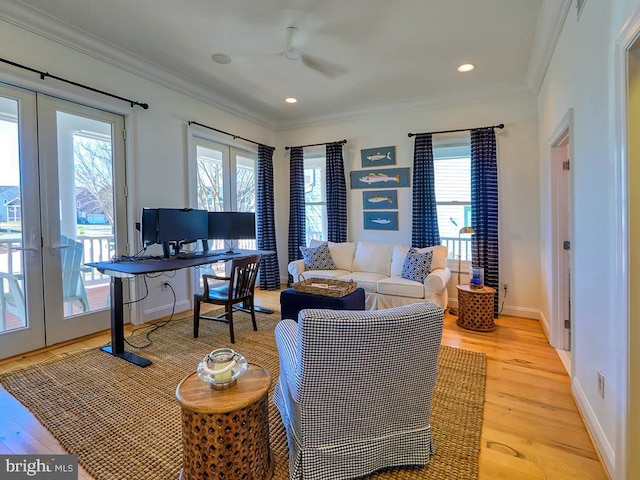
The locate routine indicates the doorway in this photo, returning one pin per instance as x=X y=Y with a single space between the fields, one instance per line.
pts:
x=62 y=165
x=560 y=166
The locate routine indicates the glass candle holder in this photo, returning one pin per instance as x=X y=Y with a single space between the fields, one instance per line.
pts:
x=476 y=278
x=221 y=368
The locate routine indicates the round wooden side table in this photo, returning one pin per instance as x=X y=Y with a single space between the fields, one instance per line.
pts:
x=475 y=308
x=225 y=433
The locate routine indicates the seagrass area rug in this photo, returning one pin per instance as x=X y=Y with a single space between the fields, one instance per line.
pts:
x=124 y=422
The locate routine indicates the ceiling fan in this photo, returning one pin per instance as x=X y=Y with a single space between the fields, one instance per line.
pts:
x=293 y=51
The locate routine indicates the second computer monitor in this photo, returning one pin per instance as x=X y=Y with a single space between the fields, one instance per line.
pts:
x=232 y=225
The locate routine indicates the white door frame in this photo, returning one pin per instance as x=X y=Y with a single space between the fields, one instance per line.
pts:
x=559 y=232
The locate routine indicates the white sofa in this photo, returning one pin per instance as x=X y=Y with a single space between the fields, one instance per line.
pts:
x=377 y=267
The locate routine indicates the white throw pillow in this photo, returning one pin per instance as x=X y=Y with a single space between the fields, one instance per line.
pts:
x=373 y=258
x=439 y=259
x=342 y=253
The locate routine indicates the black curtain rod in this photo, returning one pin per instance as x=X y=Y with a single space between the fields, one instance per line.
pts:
x=317 y=144
x=226 y=133
x=501 y=126
x=43 y=75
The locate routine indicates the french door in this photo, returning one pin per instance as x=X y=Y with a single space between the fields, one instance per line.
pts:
x=225 y=181
x=62 y=166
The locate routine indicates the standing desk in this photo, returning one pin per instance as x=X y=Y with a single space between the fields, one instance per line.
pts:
x=131 y=268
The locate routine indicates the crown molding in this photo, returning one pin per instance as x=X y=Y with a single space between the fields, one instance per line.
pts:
x=36 y=21
x=472 y=97
x=550 y=22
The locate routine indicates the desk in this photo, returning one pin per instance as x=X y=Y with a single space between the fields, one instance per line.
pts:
x=127 y=269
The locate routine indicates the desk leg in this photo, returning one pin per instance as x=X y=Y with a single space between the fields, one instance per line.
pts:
x=117 y=327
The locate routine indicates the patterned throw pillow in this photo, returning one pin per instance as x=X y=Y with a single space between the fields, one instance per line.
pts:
x=417 y=265
x=318 y=258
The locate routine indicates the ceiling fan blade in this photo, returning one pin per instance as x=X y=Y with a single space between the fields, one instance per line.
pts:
x=328 y=69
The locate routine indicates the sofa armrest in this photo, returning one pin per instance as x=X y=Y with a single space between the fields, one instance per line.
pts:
x=286 y=336
x=295 y=268
x=437 y=280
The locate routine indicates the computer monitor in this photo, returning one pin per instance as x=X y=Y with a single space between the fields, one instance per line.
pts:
x=232 y=226
x=178 y=226
x=149 y=226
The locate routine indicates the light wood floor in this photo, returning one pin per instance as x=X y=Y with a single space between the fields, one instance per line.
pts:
x=531 y=430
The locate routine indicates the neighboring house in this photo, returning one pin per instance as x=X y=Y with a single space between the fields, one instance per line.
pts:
x=10 y=204
x=88 y=208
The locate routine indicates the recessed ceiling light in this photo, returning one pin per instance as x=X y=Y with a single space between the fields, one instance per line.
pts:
x=291 y=100
x=221 y=58
x=466 y=67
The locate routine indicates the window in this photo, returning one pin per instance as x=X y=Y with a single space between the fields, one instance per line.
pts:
x=226 y=181
x=452 y=166
x=315 y=196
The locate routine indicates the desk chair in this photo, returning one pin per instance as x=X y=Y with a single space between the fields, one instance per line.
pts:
x=11 y=299
x=237 y=289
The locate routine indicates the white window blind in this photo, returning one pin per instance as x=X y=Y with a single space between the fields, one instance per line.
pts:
x=452 y=172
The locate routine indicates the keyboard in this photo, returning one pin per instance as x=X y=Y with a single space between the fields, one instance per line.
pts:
x=188 y=255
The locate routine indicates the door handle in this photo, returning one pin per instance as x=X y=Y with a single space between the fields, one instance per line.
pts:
x=26 y=249
x=60 y=247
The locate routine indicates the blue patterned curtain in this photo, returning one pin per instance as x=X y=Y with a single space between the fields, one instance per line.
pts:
x=336 y=194
x=484 y=207
x=269 y=269
x=424 y=232
x=297 y=224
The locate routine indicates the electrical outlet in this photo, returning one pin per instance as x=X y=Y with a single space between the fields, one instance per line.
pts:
x=505 y=288
x=601 y=384
x=165 y=286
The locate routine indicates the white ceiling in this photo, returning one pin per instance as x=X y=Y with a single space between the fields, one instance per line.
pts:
x=396 y=53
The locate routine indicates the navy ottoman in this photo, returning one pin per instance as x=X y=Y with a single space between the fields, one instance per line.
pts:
x=291 y=302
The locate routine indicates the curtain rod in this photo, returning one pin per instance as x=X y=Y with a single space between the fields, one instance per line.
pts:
x=43 y=75
x=501 y=126
x=317 y=144
x=226 y=133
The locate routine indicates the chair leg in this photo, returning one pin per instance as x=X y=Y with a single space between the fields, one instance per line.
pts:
x=253 y=314
x=196 y=315
x=230 y=317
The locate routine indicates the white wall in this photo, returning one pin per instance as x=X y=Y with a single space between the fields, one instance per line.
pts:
x=518 y=179
x=582 y=76
x=156 y=138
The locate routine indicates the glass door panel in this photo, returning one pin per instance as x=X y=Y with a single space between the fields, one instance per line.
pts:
x=82 y=160
x=85 y=188
x=21 y=304
x=245 y=189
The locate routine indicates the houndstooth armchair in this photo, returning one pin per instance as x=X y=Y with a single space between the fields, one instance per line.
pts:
x=355 y=389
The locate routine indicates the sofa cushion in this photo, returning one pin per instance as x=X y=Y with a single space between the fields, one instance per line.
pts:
x=401 y=287
x=439 y=259
x=366 y=280
x=373 y=258
x=417 y=265
x=317 y=258
x=341 y=253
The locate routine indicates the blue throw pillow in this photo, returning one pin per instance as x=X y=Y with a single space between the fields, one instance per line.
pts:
x=317 y=258
x=417 y=265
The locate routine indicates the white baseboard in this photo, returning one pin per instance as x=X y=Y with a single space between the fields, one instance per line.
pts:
x=510 y=310
x=603 y=446
x=165 y=310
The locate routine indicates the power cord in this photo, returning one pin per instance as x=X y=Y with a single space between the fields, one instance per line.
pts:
x=503 y=298
x=155 y=326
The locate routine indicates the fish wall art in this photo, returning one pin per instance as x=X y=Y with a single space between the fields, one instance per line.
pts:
x=378 y=157
x=380 y=178
x=380 y=220
x=380 y=199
